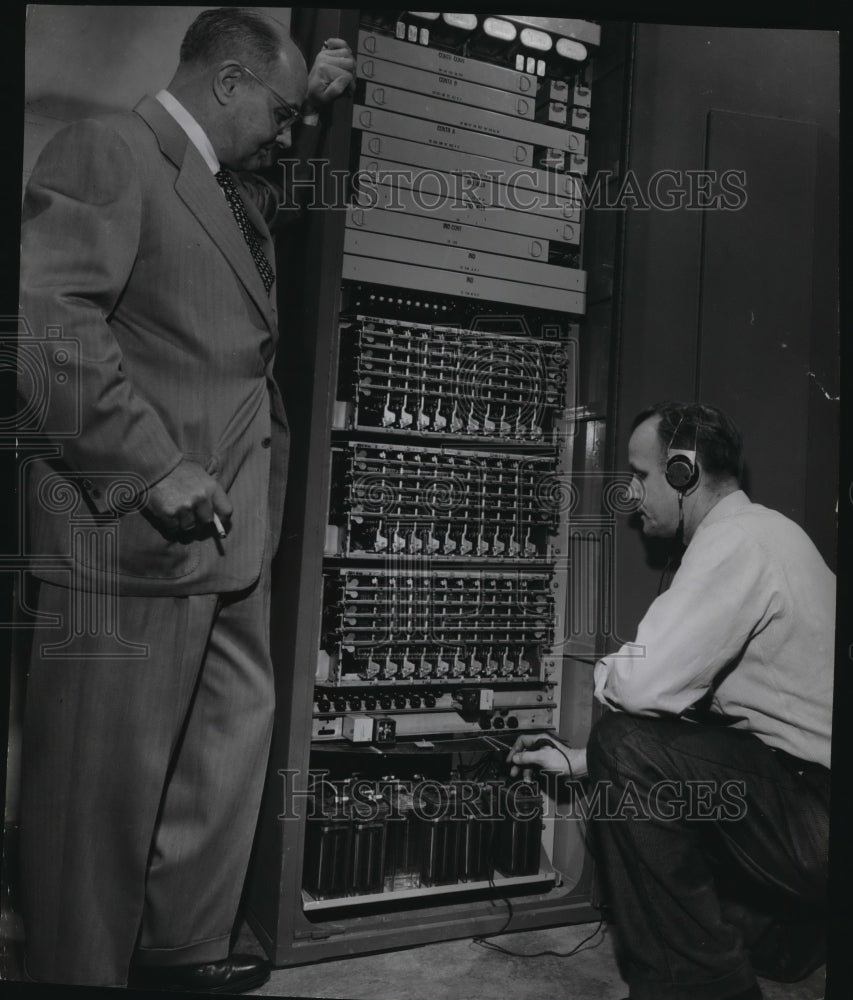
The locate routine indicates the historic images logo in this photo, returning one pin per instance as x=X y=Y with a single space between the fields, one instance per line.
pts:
x=315 y=185
x=551 y=797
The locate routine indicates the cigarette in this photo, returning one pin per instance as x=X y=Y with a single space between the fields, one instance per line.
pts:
x=218 y=525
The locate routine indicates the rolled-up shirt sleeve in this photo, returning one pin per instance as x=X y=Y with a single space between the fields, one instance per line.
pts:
x=721 y=596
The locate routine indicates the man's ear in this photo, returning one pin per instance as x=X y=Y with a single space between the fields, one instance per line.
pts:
x=226 y=79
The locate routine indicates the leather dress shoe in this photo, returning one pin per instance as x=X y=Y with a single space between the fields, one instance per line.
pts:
x=234 y=974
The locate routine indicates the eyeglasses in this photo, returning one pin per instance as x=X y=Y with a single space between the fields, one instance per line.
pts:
x=291 y=115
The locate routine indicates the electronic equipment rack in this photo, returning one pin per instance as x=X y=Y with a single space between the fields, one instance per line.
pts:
x=443 y=581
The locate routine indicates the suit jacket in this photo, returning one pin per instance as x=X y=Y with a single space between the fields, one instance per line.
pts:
x=168 y=337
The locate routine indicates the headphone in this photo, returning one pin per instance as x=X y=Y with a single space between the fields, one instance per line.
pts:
x=682 y=472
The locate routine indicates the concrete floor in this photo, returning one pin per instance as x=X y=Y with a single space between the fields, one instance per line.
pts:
x=463 y=970
x=452 y=970
x=448 y=970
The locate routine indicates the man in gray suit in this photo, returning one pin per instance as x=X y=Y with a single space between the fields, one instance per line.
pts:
x=146 y=741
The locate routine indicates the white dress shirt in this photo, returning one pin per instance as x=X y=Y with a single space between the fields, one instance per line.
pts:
x=197 y=135
x=262 y=193
x=751 y=612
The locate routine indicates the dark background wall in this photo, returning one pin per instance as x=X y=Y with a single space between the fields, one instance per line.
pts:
x=737 y=308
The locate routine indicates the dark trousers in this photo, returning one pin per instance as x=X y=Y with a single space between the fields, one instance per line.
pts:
x=704 y=836
x=141 y=784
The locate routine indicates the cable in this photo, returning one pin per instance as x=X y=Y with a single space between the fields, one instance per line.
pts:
x=510 y=914
x=663 y=574
x=483 y=942
x=566 y=758
x=554 y=742
x=673 y=561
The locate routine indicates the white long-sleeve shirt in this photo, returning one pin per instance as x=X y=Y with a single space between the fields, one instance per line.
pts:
x=750 y=612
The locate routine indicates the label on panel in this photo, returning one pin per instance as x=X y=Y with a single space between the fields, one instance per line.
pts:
x=444 y=136
x=433 y=186
x=476 y=119
x=549 y=185
x=467 y=261
x=446 y=87
x=428 y=279
x=402 y=200
x=447 y=63
x=449 y=233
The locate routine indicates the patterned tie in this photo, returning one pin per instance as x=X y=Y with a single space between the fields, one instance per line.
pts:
x=250 y=234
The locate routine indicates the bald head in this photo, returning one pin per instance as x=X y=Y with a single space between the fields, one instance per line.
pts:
x=241 y=76
x=251 y=36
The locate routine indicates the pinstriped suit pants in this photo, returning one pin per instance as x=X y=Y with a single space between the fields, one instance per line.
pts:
x=141 y=784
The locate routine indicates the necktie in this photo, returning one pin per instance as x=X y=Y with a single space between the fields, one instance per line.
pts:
x=250 y=234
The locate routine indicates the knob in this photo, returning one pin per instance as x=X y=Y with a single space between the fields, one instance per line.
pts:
x=415 y=701
x=400 y=701
x=429 y=700
x=370 y=702
x=385 y=702
x=324 y=705
x=498 y=722
x=512 y=722
x=355 y=702
x=340 y=704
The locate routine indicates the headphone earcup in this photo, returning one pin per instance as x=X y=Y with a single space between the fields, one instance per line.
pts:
x=680 y=472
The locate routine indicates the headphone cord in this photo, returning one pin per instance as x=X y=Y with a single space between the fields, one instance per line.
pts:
x=677 y=543
x=483 y=942
x=663 y=574
x=566 y=758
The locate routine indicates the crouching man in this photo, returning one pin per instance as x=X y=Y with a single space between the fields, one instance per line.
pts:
x=718 y=732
